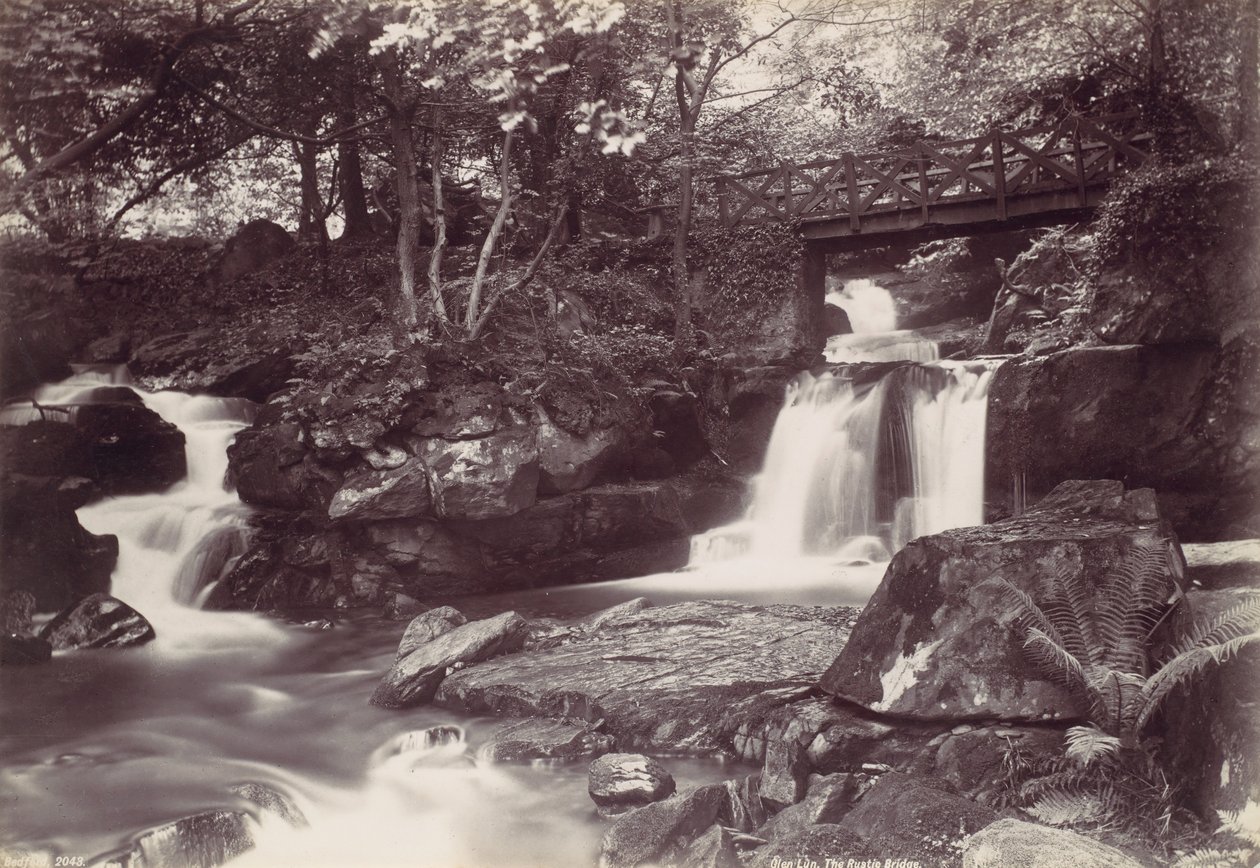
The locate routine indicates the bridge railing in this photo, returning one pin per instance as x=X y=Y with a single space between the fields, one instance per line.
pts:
x=1073 y=155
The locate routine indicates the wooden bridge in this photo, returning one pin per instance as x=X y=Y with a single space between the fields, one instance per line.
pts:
x=1001 y=180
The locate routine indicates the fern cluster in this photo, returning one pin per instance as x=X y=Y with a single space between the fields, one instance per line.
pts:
x=1098 y=644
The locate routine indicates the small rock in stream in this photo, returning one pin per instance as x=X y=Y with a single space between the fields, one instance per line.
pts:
x=618 y=782
x=97 y=621
x=427 y=626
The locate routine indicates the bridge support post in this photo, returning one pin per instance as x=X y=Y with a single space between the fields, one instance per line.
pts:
x=811 y=294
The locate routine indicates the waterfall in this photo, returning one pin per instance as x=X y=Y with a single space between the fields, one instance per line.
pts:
x=863 y=458
x=172 y=545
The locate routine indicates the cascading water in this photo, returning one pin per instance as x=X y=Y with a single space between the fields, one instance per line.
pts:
x=864 y=458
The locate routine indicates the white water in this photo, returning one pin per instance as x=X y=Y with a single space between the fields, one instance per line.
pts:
x=859 y=463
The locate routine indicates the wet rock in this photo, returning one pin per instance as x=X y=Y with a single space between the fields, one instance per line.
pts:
x=621 y=610
x=755 y=396
x=46 y=448
x=496 y=475
x=1211 y=730
x=829 y=798
x=16 y=611
x=1179 y=418
x=414 y=677
x=938 y=641
x=545 y=739
x=210 y=838
x=402 y=607
x=18 y=650
x=817 y=845
x=835 y=321
x=714 y=849
x=44 y=549
x=133 y=450
x=744 y=810
x=427 y=626
x=271 y=466
x=111 y=349
x=377 y=495
x=1233 y=564
x=255 y=245
x=656 y=832
x=916 y=818
x=682 y=677
x=618 y=782
x=422 y=740
x=1013 y=843
x=194 y=362
x=606 y=531
x=271 y=802
x=98 y=621
x=568 y=462
x=205 y=840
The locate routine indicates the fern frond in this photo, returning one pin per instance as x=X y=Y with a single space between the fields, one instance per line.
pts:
x=1244 y=824
x=1235 y=621
x=1056 y=662
x=1182 y=668
x=1212 y=859
x=1066 y=603
x=1087 y=744
x=1118 y=698
x=1131 y=601
x=1059 y=808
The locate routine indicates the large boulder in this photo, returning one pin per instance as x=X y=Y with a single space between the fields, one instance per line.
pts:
x=195 y=361
x=376 y=495
x=1183 y=419
x=272 y=466
x=1012 y=843
x=44 y=549
x=1212 y=732
x=255 y=245
x=415 y=676
x=492 y=476
x=618 y=782
x=36 y=349
x=133 y=449
x=98 y=621
x=939 y=640
x=46 y=448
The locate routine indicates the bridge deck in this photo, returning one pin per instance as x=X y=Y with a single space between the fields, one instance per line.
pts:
x=1036 y=176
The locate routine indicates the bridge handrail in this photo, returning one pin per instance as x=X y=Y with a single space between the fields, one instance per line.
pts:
x=924 y=176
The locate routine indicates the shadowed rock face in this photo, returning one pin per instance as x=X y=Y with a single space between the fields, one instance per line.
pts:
x=1179 y=418
x=683 y=677
x=939 y=641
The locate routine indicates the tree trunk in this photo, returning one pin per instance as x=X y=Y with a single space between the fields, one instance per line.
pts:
x=439 y=219
x=353 y=195
x=311 y=220
x=408 y=186
x=682 y=231
x=492 y=239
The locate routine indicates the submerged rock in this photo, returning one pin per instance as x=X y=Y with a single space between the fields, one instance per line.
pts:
x=98 y=621
x=1013 y=843
x=545 y=739
x=618 y=782
x=939 y=640
x=415 y=676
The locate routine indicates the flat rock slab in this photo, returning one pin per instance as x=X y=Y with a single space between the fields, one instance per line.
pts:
x=682 y=677
x=545 y=739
